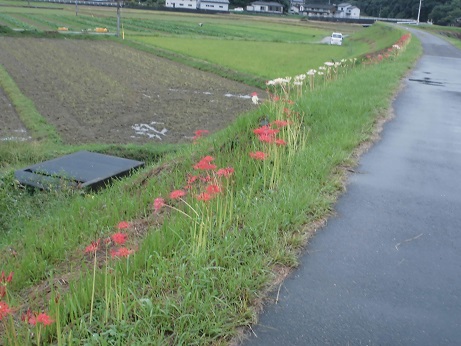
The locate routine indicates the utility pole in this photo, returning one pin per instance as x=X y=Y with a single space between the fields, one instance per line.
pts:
x=76 y=7
x=118 y=18
x=419 y=11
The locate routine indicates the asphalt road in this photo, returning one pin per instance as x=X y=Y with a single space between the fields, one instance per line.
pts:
x=386 y=270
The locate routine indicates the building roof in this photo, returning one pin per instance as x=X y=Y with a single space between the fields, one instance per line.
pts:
x=344 y=4
x=215 y=1
x=266 y=3
x=320 y=6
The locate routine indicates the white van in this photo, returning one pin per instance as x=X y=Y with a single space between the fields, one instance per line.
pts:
x=336 y=38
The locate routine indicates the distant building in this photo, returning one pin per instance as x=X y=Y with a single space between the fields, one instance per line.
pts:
x=214 y=5
x=318 y=10
x=346 y=10
x=183 y=4
x=265 y=7
x=211 y=5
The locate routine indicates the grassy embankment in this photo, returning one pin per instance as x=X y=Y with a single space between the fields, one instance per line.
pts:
x=449 y=33
x=199 y=267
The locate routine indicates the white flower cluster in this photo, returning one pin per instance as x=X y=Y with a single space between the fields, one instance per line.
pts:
x=279 y=81
x=328 y=71
x=396 y=46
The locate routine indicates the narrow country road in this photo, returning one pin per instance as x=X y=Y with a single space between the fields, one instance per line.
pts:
x=386 y=270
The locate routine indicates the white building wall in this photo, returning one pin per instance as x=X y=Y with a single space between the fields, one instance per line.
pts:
x=186 y=4
x=215 y=6
x=355 y=13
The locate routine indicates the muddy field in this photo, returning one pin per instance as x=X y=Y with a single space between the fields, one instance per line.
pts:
x=94 y=91
x=11 y=127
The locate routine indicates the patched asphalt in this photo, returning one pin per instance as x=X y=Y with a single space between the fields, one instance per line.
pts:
x=386 y=270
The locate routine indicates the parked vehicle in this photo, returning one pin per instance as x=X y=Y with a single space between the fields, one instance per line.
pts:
x=336 y=38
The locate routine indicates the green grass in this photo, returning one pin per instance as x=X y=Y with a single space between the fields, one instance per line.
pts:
x=171 y=291
x=451 y=34
x=270 y=60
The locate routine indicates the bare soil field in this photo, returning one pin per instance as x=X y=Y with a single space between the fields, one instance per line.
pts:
x=101 y=91
x=11 y=126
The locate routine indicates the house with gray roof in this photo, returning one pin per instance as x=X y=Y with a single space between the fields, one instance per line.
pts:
x=265 y=7
x=346 y=10
x=318 y=10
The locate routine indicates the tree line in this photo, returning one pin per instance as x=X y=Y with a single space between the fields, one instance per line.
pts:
x=441 y=12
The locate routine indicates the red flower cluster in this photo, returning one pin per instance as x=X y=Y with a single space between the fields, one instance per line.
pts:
x=4 y=280
x=208 y=181
x=119 y=238
x=159 y=202
x=5 y=310
x=258 y=155
x=205 y=164
x=176 y=194
x=35 y=318
x=123 y=225
x=225 y=172
x=93 y=247
x=199 y=134
x=121 y=252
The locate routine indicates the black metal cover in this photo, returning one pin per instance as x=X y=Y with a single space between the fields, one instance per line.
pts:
x=83 y=169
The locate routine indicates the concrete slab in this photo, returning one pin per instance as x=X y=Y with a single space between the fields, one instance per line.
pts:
x=81 y=170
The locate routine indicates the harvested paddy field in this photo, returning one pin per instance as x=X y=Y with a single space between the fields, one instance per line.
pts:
x=101 y=91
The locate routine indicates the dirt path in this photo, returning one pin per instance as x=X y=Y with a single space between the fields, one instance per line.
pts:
x=11 y=127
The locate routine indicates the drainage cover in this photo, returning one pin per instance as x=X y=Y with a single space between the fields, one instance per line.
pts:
x=83 y=169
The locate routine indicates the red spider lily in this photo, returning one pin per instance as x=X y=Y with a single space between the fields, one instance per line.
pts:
x=4 y=310
x=199 y=134
x=204 y=164
x=44 y=319
x=159 y=202
x=123 y=225
x=93 y=247
x=266 y=138
x=119 y=238
x=207 y=158
x=7 y=279
x=191 y=179
x=225 y=172
x=177 y=194
x=122 y=252
x=265 y=130
x=280 y=142
x=213 y=189
x=32 y=319
x=275 y=98
x=204 y=196
x=27 y=316
x=205 y=179
x=258 y=155
x=2 y=291
x=380 y=57
x=280 y=123
x=254 y=94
